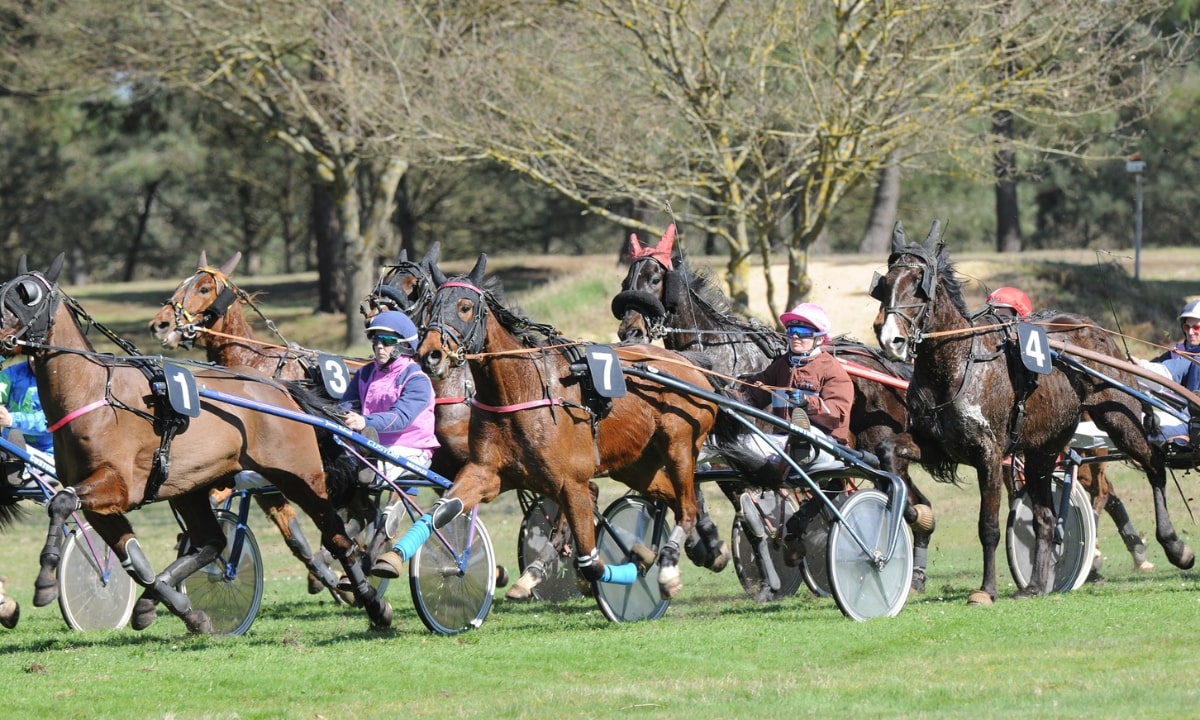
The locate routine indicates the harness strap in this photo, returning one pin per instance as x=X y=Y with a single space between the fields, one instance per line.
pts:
x=514 y=408
x=76 y=413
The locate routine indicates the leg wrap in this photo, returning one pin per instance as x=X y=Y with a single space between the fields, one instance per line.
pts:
x=137 y=564
x=416 y=536
x=590 y=566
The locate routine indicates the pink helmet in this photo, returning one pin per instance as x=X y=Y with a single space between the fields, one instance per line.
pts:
x=1011 y=297
x=808 y=314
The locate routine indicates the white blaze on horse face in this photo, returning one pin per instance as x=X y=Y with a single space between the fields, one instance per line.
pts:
x=891 y=338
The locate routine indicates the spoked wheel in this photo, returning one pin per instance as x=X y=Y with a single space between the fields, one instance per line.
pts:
x=94 y=591
x=765 y=518
x=630 y=522
x=232 y=602
x=862 y=587
x=533 y=542
x=1071 y=562
x=453 y=576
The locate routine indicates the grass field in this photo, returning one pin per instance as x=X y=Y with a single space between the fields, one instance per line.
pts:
x=1119 y=648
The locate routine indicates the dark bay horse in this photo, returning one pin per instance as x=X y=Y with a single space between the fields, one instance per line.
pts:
x=120 y=444
x=972 y=402
x=207 y=309
x=534 y=425
x=663 y=297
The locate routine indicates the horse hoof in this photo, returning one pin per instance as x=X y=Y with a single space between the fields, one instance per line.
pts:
x=383 y=620
x=722 y=559
x=1187 y=559
x=388 y=565
x=145 y=612
x=198 y=622
x=501 y=576
x=917 y=587
x=979 y=597
x=669 y=582
x=522 y=589
x=10 y=612
x=924 y=521
x=315 y=586
x=644 y=557
x=1145 y=566
x=44 y=595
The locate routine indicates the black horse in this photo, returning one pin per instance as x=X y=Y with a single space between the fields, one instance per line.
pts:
x=971 y=401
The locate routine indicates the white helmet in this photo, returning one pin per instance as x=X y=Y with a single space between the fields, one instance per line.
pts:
x=1191 y=310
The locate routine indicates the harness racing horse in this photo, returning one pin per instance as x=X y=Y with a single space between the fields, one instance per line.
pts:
x=207 y=309
x=10 y=609
x=536 y=425
x=663 y=297
x=120 y=442
x=973 y=402
x=408 y=286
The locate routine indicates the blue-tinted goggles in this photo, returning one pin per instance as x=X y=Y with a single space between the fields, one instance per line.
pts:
x=801 y=331
x=385 y=340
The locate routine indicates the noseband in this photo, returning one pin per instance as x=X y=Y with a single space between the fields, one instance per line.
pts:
x=186 y=323
x=915 y=323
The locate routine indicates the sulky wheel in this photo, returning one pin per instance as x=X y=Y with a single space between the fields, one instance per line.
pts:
x=862 y=586
x=228 y=592
x=453 y=576
x=533 y=541
x=1070 y=562
x=629 y=522
x=94 y=591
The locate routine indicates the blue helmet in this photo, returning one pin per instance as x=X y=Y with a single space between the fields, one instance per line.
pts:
x=396 y=322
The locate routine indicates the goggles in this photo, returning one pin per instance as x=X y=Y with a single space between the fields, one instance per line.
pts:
x=801 y=331
x=1188 y=325
x=385 y=340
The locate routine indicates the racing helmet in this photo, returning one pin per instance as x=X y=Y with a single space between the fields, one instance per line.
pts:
x=1190 y=311
x=397 y=323
x=811 y=315
x=1011 y=297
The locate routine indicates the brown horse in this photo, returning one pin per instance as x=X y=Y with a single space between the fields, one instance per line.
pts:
x=120 y=443
x=207 y=309
x=663 y=297
x=535 y=425
x=973 y=402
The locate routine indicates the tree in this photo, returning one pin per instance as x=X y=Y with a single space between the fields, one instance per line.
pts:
x=734 y=118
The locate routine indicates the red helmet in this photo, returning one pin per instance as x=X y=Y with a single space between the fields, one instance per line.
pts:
x=1011 y=297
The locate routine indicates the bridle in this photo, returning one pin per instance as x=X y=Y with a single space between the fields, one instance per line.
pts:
x=387 y=296
x=469 y=339
x=188 y=323
x=33 y=300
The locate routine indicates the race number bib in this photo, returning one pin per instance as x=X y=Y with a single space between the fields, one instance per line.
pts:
x=334 y=374
x=1035 y=350
x=605 y=367
x=181 y=390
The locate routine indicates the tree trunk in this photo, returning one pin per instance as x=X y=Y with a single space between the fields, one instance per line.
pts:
x=363 y=234
x=139 y=234
x=877 y=237
x=1008 y=217
x=327 y=231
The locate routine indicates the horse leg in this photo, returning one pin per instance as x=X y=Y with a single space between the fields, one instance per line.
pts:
x=45 y=587
x=284 y=516
x=1038 y=485
x=989 y=530
x=704 y=547
x=919 y=511
x=1129 y=534
x=559 y=544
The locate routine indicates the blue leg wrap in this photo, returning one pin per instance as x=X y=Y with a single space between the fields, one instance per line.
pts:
x=416 y=536
x=620 y=574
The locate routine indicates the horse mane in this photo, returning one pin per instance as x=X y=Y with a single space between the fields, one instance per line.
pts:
x=847 y=344
x=947 y=272
x=513 y=319
x=712 y=300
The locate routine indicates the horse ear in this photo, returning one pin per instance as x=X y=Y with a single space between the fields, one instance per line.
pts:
x=932 y=238
x=635 y=247
x=668 y=241
x=899 y=241
x=402 y=257
x=435 y=252
x=436 y=274
x=22 y=265
x=230 y=264
x=476 y=276
x=203 y=261
x=56 y=267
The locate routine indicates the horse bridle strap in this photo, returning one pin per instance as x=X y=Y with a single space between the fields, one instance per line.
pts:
x=77 y=412
x=544 y=402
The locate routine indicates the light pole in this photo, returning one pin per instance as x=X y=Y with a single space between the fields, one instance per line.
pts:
x=1137 y=166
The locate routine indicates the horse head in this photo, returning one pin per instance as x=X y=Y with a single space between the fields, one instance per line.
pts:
x=406 y=286
x=457 y=322
x=907 y=291
x=651 y=291
x=199 y=302
x=28 y=303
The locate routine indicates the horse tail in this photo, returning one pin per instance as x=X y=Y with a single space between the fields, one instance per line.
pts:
x=10 y=510
x=341 y=466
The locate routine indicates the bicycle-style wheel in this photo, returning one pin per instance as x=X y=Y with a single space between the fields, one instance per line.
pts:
x=94 y=591
x=750 y=533
x=629 y=522
x=1070 y=562
x=862 y=587
x=231 y=603
x=450 y=595
x=533 y=542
